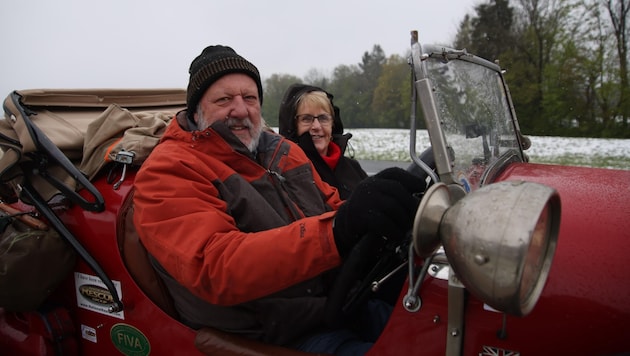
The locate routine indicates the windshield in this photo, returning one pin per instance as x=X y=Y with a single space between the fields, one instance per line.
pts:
x=474 y=116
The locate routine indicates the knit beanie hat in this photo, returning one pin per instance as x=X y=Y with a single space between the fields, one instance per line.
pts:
x=213 y=63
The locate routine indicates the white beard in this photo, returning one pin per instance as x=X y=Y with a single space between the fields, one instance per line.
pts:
x=254 y=131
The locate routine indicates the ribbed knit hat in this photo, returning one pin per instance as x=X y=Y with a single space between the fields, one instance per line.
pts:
x=213 y=63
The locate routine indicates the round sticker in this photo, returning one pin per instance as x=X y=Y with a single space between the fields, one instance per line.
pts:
x=464 y=181
x=129 y=340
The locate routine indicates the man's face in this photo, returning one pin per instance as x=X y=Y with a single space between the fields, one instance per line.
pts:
x=234 y=100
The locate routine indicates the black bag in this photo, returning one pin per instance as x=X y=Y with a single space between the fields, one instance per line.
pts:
x=33 y=263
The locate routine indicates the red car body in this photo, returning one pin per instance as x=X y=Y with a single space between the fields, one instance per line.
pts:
x=585 y=306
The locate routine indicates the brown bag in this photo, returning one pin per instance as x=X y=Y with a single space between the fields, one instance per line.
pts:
x=33 y=263
x=117 y=130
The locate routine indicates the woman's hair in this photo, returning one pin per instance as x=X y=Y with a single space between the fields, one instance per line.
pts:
x=316 y=98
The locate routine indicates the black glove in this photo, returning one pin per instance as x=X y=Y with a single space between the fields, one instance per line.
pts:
x=382 y=205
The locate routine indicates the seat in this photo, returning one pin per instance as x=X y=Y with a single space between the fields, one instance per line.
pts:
x=136 y=260
x=209 y=341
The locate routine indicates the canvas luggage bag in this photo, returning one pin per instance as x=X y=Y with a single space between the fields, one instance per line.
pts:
x=89 y=126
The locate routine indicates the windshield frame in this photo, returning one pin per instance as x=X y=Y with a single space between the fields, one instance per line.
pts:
x=453 y=164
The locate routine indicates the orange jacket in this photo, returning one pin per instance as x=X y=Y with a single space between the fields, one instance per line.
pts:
x=230 y=227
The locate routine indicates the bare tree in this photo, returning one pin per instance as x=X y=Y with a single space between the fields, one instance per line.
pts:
x=541 y=26
x=618 y=11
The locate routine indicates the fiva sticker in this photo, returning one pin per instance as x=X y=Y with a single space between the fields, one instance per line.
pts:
x=129 y=340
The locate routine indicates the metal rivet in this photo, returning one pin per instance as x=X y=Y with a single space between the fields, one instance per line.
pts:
x=480 y=260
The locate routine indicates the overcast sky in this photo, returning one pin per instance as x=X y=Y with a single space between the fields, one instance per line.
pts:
x=150 y=43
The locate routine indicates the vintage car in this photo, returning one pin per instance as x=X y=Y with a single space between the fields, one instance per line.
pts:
x=506 y=257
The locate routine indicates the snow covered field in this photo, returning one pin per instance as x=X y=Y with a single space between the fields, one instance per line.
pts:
x=393 y=145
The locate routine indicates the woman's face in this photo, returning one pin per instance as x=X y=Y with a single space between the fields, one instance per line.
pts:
x=317 y=121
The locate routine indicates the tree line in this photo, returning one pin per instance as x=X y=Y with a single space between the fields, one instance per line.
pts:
x=566 y=66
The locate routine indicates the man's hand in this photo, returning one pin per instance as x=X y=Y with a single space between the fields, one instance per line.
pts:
x=381 y=205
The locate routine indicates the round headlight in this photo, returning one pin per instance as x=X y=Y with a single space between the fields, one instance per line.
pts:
x=537 y=260
x=499 y=240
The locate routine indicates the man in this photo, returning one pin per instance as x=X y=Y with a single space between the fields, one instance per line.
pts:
x=237 y=222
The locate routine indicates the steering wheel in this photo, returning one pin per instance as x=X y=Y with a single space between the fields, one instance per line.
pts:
x=370 y=260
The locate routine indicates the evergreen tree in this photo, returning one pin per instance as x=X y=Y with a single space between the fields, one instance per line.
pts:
x=491 y=33
x=392 y=96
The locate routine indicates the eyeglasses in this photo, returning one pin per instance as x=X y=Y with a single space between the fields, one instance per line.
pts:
x=307 y=119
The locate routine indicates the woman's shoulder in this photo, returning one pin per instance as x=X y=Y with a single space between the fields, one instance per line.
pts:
x=347 y=164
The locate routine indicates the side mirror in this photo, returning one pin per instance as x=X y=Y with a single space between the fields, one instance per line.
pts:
x=499 y=239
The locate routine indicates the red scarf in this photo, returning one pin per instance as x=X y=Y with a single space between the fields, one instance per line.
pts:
x=332 y=158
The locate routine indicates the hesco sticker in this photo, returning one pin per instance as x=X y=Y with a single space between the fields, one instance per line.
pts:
x=96 y=294
x=129 y=340
x=92 y=294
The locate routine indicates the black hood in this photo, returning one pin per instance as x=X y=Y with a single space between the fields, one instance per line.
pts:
x=288 y=109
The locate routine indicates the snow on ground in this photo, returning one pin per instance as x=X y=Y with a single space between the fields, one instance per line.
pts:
x=393 y=145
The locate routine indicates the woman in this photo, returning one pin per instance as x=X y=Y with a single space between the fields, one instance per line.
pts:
x=308 y=117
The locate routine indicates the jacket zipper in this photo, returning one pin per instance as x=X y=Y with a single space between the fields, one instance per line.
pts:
x=278 y=183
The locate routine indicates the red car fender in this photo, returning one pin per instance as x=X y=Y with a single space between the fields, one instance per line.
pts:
x=585 y=306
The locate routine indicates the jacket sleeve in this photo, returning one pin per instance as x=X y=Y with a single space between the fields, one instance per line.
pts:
x=185 y=225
